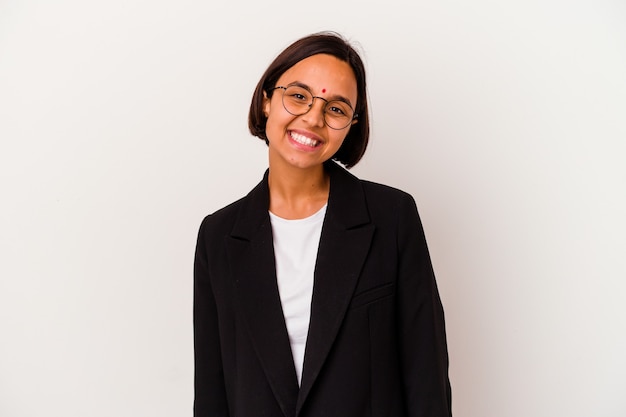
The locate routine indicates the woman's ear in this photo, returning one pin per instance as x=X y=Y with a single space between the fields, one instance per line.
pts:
x=266 y=104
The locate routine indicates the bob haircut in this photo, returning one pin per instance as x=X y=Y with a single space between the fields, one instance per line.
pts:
x=330 y=43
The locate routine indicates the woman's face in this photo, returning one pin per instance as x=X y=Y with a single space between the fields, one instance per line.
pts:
x=306 y=141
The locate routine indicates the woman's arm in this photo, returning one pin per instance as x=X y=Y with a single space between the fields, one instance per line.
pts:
x=210 y=391
x=421 y=327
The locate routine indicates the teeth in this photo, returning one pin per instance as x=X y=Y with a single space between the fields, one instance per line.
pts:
x=303 y=139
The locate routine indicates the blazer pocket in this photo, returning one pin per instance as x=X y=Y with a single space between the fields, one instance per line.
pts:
x=372 y=295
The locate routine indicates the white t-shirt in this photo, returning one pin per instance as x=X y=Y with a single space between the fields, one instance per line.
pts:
x=295 y=249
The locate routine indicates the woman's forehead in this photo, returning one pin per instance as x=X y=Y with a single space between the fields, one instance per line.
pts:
x=323 y=73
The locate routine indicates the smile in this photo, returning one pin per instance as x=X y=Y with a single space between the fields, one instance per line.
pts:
x=303 y=139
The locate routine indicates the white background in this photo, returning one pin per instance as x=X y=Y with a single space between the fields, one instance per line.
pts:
x=122 y=123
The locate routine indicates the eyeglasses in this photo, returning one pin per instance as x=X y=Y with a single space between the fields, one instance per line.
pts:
x=298 y=100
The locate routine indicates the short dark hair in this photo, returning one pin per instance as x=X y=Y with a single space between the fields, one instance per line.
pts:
x=330 y=43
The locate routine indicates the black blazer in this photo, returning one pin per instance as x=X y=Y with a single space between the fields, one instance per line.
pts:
x=376 y=345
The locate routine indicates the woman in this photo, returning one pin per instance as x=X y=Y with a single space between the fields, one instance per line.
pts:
x=314 y=295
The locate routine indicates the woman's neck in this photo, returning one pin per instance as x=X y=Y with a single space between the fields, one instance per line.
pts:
x=297 y=193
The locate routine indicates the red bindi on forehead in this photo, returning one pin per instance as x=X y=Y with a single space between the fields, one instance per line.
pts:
x=323 y=90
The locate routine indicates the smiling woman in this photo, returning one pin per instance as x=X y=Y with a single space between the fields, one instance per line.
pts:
x=297 y=127
x=314 y=295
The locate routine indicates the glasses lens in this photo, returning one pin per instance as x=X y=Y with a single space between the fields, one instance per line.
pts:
x=297 y=100
x=338 y=114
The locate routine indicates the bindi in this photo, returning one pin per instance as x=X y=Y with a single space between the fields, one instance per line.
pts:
x=323 y=90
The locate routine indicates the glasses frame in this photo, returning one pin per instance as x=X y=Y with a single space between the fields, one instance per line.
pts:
x=354 y=114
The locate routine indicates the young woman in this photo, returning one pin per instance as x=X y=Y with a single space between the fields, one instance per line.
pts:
x=314 y=295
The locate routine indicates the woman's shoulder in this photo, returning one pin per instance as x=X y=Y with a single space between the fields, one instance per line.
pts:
x=228 y=213
x=378 y=191
x=386 y=196
x=223 y=217
x=371 y=187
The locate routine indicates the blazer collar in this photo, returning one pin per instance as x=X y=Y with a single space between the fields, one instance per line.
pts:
x=344 y=244
x=346 y=203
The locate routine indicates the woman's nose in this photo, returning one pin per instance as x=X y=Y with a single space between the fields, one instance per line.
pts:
x=315 y=115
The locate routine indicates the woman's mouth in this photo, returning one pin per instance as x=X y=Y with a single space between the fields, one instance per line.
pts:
x=303 y=140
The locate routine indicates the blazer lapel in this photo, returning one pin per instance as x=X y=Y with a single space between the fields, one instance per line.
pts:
x=251 y=258
x=344 y=244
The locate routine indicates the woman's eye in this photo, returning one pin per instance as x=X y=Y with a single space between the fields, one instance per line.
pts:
x=335 y=110
x=299 y=97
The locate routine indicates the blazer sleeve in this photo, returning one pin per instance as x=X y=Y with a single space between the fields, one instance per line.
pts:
x=210 y=391
x=421 y=327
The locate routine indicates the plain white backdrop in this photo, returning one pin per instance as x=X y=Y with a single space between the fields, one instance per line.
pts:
x=123 y=123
